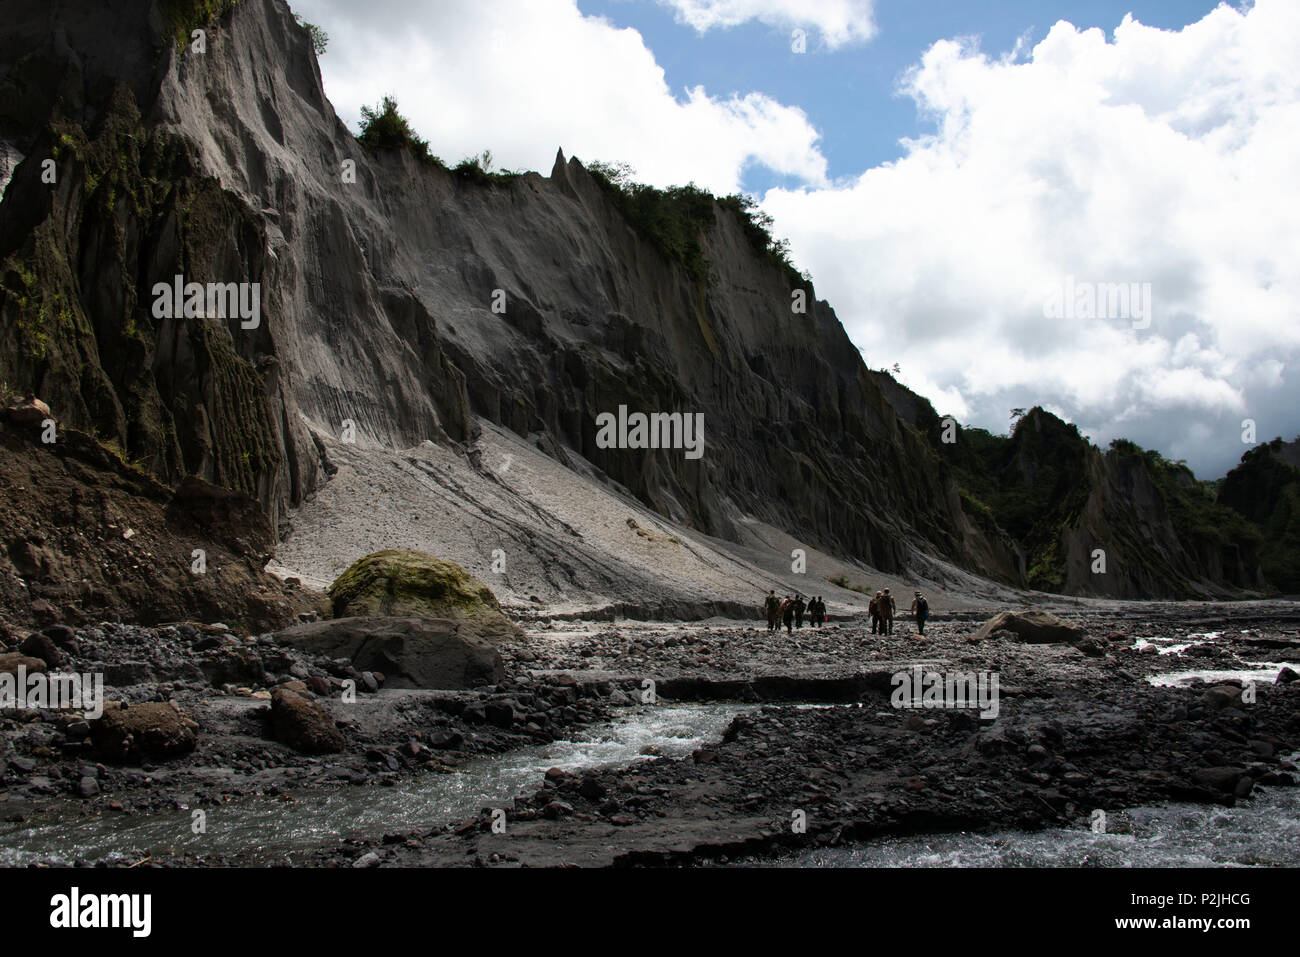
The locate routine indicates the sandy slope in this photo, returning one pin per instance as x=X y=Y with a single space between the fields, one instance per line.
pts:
x=567 y=539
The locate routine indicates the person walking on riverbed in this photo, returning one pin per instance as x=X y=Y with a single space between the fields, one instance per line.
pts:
x=773 y=607
x=787 y=614
x=799 y=608
x=887 y=609
x=873 y=607
x=920 y=608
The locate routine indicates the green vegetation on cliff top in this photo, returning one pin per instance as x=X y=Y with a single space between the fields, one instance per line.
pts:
x=1034 y=484
x=182 y=17
x=383 y=127
x=673 y=220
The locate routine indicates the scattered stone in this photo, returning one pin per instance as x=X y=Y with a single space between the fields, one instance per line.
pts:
x=63 y=636
x=557 y=809
x=407 y=583
x=317 y=685
x=26 y=411
x=1222 y=696
x=1090 y=648
x=499 y=713
x=233 y=664
x=123 y=674
x=144 y=729
x=446 y=740
x=303 y=725
x=1217 y=779
x=11 y=661
x=1032 y=627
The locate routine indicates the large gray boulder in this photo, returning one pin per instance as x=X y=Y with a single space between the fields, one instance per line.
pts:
x=411 y=652
x=1033 y=627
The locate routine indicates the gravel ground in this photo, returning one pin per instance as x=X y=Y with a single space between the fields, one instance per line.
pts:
x=1076 y=730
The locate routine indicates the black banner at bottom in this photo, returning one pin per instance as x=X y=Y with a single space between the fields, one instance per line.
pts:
x=338 y=906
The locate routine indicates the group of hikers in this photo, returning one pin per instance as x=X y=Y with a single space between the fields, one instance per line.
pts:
x=883 y=608
x=790 y=612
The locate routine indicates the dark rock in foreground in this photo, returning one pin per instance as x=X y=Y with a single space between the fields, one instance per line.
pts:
x=303 y=725
x=129 y=732
x=1034 y=627
x=11 y=661
x=411 y=652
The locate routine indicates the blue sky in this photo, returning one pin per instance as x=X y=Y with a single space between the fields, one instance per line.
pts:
x=850 y=94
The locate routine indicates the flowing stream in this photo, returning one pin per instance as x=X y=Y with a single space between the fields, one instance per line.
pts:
x=1261 y=832
x=1264 y=831
x=271 y=830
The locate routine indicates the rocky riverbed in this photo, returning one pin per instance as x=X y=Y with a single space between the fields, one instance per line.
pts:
x=224 y=685
x=1116 y=720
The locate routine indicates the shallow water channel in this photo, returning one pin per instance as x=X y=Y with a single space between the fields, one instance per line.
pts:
x=1262 y=832
x=270 y=830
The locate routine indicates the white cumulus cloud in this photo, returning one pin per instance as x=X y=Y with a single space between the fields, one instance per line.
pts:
x=523 y=77
x=1152 y=156
x=839 y=22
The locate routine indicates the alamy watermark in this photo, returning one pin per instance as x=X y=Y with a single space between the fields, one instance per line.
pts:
x=75 y=910
x=65 y=692
x=179 y=299
x=1074 y=299
x=919 y=688
x=657 y=430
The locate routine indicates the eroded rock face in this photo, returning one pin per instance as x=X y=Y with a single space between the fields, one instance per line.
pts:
x=303 y=725
x=250 y=170
x=84 y=535
x=177 y=160
x=402 y=583
x=128 y=732
x=411 y=652
x=1033 y=627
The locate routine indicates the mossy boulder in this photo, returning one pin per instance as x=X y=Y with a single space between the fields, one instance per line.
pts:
x=403 y=583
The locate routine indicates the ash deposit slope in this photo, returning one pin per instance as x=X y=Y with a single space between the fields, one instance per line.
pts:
x=567 y=538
